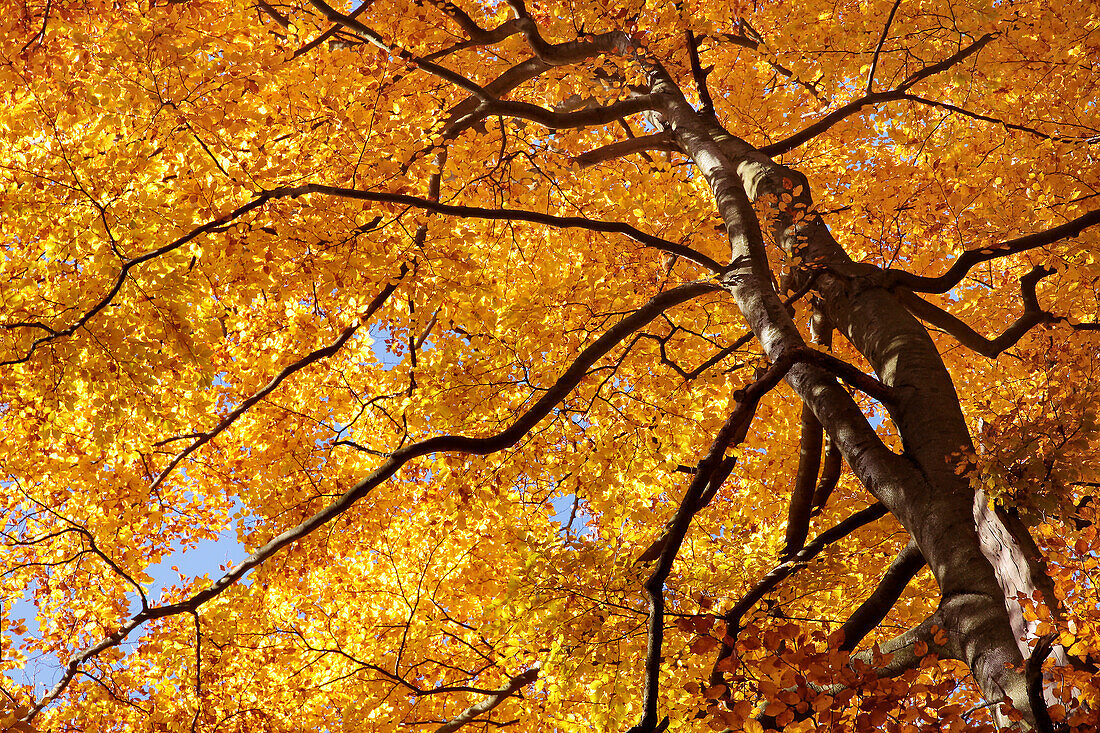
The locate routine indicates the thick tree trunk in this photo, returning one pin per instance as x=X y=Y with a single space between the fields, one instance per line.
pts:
x=921 y=487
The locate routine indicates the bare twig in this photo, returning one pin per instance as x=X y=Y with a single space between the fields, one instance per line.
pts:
x=878 y=48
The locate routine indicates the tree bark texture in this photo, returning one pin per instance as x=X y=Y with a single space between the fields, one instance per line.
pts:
x=922 y=487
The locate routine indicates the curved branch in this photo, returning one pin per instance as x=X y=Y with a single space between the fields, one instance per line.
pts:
x=332 y=30
x=452 y=443
x=478 y=36
x=968 y=259
x=314 y=356
x=478 y=212
x=495 y=698
x=1032 y=316
x=124 y=272
x=870 y=98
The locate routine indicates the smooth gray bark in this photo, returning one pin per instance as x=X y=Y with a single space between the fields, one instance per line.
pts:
x=922 y=486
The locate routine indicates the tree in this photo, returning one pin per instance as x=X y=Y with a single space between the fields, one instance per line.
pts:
x=581 y=366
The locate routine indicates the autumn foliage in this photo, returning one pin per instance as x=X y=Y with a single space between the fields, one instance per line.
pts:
x=592 y=365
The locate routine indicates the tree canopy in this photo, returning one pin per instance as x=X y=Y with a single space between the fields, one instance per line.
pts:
x=581 y=365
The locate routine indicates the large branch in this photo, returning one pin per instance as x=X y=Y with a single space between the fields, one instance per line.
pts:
x=889 y=589
x=1032 y=316
x=442 y=443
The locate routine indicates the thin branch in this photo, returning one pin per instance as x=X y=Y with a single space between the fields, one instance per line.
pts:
x=870 y=98
x=453 y=443
x=997 y=121
x=711 y=471
x=496 y=698
x=878 y=48
x=311 y=358
x=477 y=212
x=968 y=259
x=754 y=44
x=784 y=570
x=732 y=433
x=124 y=272
x=41 y=34
x=947 y=63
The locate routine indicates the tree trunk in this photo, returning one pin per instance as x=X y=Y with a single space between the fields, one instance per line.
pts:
x=922 y=487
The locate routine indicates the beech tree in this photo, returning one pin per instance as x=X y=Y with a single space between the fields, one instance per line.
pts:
x=587 y=365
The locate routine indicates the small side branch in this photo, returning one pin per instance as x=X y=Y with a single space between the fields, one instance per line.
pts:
x=495 y=698
x=700 y=74
x=967 y=260
x=314 y=356
x=878 y=48
x=870 y=98
x=809 y=456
